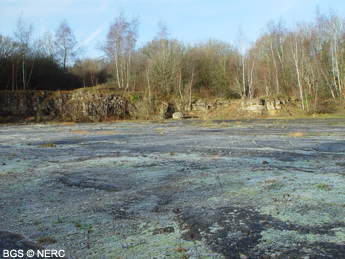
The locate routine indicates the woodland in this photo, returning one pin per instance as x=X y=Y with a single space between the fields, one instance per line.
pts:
x=306 y=61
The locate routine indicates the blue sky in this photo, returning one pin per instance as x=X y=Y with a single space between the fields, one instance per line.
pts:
x=188 y=20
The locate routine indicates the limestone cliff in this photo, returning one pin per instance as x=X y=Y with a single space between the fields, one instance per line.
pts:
x=62 y=105
x=101 y=104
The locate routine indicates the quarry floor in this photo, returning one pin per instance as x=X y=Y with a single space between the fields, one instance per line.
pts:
x=175 y=189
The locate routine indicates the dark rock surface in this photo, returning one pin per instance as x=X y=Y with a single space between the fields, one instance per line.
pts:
x=10 y=241
x=66 y=106
x=177 y=189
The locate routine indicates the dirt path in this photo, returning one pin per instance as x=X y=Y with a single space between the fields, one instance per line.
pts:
x=176 y=189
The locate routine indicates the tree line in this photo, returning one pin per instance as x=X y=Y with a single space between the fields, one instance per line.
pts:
x=306 y=61
x=51 y=62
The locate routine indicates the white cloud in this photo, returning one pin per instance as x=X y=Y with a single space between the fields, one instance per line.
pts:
x=93 y=35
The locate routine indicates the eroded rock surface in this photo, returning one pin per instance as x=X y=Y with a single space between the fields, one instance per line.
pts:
x=181 y=188
x=66 y=106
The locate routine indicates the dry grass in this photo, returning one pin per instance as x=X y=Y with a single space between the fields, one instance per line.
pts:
x=80 y=131
x=206 y=115
x=46 y=240
x=297 y=134
x=181 y=249
x=63 y=122
x=225 y=123
x=48 y=145
x=233 y=111
x=105 y=132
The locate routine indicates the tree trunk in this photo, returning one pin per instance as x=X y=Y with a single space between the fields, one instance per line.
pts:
x=148 y=81
x=330 y=86
x=251 y=80
x=295 y=56
x=23 y=64
x=190 y=88
x=13 y=75
x=179 y=87
x=117 y=67
x=243 y=79
x=275 y=66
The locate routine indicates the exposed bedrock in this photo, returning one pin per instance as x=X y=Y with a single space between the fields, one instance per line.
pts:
x=65 y=106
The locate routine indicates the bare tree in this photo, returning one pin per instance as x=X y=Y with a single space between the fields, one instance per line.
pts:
x=190 y=65
x=121 y=41
x=251 y=59
x=240 y=39
x=7 y=46
x=271 y=29
x=147 y=73
x=7 y=49
x=47 y=45
x=8 y=58
x=336 y=35
x=23 y=35
x=65 y=44
x=164 y=55
x=321 y=37
x=83 y=63
x=295 y=50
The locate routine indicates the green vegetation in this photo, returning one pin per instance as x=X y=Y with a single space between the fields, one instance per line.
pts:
x=77 y=224
x=324 y=187
x=134 y=97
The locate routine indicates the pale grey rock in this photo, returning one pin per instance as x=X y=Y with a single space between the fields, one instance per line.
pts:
x=177 y=115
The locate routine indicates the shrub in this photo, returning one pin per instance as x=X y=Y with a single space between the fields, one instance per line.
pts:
x=134 y=97
x=143 y=110
x=326 y=106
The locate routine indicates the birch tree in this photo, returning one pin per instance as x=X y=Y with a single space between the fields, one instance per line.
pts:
x=121 y=41
x=23 y=35
x=270 y=27
x=337 y=40
x=241 y=47
x=65 y=44
x=47 y=45
x=164 y=55
x=296 y=57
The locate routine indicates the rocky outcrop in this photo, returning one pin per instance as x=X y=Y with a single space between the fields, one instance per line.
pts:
x=65 y=105
x=94 y=105
x=203 y=105
x=260 y=106
x=166 y=110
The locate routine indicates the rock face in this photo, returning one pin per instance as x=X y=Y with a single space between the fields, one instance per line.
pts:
x=260 y=106
x=64 y=105
x=202 y=105
x=166 y=110
x=92 y=105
